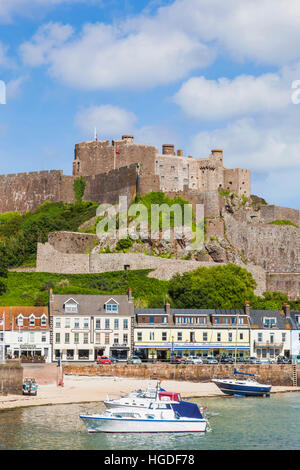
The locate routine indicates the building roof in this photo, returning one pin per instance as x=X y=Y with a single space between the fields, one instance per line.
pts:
x=91 y=304
x=282 y=322
x=11 y=313
x=189 y=311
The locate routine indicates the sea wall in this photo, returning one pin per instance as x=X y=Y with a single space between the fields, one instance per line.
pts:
x=275 y=374
x=11 y=378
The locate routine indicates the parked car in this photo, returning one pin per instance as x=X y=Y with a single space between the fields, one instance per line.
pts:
x=134 y=360
x=252 y=360
x=226 y=360
x=283 y=360
x=103 y=360
x=210 y=360
x=194 y=360
x=179 y=360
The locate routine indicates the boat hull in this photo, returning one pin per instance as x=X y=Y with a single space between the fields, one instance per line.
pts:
x=96 y=424
x=240 y=389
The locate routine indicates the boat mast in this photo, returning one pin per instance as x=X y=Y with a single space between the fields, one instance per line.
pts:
x=236 y=338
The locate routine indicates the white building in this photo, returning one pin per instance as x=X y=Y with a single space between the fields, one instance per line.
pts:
x=84 y=327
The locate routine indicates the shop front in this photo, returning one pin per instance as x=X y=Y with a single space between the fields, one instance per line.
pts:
x=119 y=352
x=166 y=351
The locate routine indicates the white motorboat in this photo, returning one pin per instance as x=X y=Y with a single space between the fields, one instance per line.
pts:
x=159 y=417
x=142 y=399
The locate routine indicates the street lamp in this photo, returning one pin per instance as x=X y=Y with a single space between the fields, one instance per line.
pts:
x=172 y=347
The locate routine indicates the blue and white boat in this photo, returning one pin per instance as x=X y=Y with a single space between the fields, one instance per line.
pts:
x=159 y=417
x=243 y=387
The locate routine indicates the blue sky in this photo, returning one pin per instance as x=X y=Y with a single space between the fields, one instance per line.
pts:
x=201 y=74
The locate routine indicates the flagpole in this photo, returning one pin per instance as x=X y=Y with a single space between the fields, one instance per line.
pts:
x=3 y=337
x=114 y=156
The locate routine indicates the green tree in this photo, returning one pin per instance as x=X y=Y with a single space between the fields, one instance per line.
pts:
x=79 y=188
x=3 y=270
x=217 y=287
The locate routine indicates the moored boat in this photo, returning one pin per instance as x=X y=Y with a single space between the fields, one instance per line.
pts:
x=142 y=399
x=242 y=387
x=159 y=417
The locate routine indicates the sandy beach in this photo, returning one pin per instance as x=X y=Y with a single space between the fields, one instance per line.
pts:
x=80 y=389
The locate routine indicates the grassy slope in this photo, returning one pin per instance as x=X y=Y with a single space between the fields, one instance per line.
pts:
x=26 y=288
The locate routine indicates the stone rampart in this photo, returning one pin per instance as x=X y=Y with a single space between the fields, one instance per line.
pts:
x=274 y=374
x=274 y=247
x=53 y=261
x=271 y=213
x=285 y=282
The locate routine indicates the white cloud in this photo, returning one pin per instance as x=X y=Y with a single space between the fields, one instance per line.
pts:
x=265 y=31
x=224 y=98
x=29 y=8
x=107 y=119
x=48 y=37
x=13 y=87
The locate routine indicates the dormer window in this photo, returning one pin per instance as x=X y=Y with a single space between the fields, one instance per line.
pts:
x=20 y=321
x=269 y=322
x=32 y=320
x=71 y=306
x=44 y=320
x=111 y=306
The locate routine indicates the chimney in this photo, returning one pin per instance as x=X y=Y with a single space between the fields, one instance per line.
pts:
x=130 y=298
x=287 y=310
x=247 y=307
x=168 y=149
x=167 y=308
x=129 y=139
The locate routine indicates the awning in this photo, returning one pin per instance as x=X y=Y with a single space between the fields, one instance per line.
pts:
x=192 y=347
x=120 y=348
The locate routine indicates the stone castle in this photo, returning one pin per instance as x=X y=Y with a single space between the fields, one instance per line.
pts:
x=237 y=227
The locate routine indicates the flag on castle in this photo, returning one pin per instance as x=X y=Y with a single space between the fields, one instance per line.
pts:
x=116 y=151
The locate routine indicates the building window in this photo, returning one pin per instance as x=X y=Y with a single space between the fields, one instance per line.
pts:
x=67 y=338
x=86 y=323
x=116 y=324
x=205 y=336
x=230 y=337
x=151 y=336
x=71 y=308
x=98 y=324
x=57 y=338
x=218 y=336
x=232 y=320
x=192 y=337
x=139 y=336
x=217 y=320
x=76 y=323
x=164 y=320
x=31 y=337
x=259 y=337
x=283 y=337
x=241 y=335
x=98 y=338
x=202 y=320
x=32 y=321
x=125 y=324
x=116 y=340
x=57 y=323
x=20 y=321
x=85 y=338
x=269 y=322
x=106 y=338
x=67 y=323
x=179 y=336
x=44 y=337
x=164 y=336
x=241 y=320
x=151 y=320
x=107 y=324
x=76 y=338
x=20 y=338
x=125 y=339
x=43 y=321
x=111 y=308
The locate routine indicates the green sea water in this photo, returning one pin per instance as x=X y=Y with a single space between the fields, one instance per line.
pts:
x=236 y=423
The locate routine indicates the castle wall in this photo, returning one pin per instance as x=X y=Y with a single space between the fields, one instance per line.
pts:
x=72 y=242
x=26 y=191
x=51 y=260
x=275 y=248
x=238 y=181
x=284 y=282
x=107 y=187
x=271 y=212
